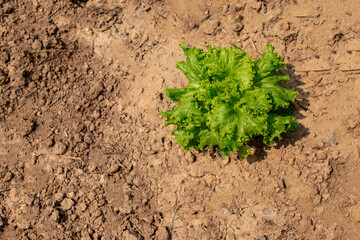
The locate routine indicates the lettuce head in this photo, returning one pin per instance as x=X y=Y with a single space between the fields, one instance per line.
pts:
x=230 y=99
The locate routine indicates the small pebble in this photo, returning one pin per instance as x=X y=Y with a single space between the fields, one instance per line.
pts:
x=225 y=211
x=267 y=212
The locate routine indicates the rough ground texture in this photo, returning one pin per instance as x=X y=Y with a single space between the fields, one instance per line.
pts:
x=84 y=154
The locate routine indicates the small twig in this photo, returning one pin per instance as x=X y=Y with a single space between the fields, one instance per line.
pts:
x=222 y=29
x=108 y=27
x=251 y=205
x=168 y=48
x=322 y=70
x=4 y=190
x=350 y=70
x=316 y=16
x=314 y=70
x=73 y=158
x=138 y=231
x=51 y=50
x=235 y=46
x=173 y=218
x=254 y=46
x=6 y=167
x=57 y=10
x=359 y=113
x=142 y=43
x=117 y=153
x=35 y=155
x=122 y=165
x=246 y=46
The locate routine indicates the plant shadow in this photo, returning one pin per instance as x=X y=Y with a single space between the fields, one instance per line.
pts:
x=289 y=138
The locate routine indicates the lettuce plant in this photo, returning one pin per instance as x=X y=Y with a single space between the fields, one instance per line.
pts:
x=230 y=99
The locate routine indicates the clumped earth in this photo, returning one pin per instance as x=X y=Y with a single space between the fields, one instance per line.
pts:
x=85 y=155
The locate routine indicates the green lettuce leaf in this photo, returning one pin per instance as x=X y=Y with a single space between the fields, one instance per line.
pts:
x=230 y=99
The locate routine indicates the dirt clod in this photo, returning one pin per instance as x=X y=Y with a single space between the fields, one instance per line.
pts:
x=60 y=148
x=210 y=27
x=66 y=204
x=37 y=45
x=95 y=89
x=238 y=28
x=321 y=155
x=24 y=224
x=263 y=237
x=8 y=176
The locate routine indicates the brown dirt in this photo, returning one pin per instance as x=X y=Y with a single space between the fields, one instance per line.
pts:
x=84 y=154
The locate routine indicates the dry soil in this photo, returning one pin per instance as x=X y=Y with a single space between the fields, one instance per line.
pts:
x=85 y=155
